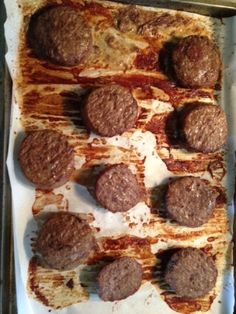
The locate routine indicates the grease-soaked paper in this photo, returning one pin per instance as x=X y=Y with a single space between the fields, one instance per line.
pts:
x=140 y=151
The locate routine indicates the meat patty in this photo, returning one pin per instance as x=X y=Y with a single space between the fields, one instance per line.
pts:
x=46 y=158
x=65 y=241
x=190 y=201
x=196 y=62
x=119 y=279
x=59 y=34
x=110 y=110
x=203 y=127
x=191 y=273
x=117 y=189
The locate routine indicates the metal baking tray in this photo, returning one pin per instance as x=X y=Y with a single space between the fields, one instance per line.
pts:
x=212 y=8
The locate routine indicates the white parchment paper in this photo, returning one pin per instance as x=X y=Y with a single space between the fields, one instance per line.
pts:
x=23 y=194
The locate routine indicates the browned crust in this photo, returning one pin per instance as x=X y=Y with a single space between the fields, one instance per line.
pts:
x=191 y=273
x=59 y=34
x=196 y=62
x=203 y=127
x=117 y=188
x=190 y=201
x=110 y=110
x=46 y=158
x=65 y=241
x=119 y=279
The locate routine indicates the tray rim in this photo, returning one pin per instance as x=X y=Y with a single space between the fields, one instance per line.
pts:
x=213 y=8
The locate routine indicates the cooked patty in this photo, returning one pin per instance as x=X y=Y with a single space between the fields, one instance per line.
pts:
x=191 y=273
x=190 y=201
x=119 y=279
x=204 y=127
x=196 y=62
x=46 y=158
x=65 y=241
x=110 y=110
x=60 y=35
x=117 y=189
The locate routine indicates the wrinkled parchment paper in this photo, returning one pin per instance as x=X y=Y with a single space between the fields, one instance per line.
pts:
x=147 y=299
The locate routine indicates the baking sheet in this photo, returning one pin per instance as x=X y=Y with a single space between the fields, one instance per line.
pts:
x=144 y=145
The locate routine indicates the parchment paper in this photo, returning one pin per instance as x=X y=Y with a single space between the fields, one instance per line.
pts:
x=147 y=299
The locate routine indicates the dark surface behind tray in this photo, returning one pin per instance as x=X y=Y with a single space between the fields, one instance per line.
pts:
x=7 y=282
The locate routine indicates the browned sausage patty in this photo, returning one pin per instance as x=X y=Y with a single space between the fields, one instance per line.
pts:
x=110 y=110
x=117 y=189
x=65 y=241
x=204 y=127
x=190 y=201
x=191 y=273
x=46 y=158
x=59 y=34
x=119 y=279
x=196 y=62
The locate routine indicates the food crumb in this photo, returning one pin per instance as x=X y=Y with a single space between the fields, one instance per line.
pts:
x=70 y=284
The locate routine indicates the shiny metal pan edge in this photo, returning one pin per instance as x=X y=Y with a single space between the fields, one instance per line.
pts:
x=214 y=8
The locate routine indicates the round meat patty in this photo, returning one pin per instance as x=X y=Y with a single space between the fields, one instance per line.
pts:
x=59 y=34
x=65 y=241
x=191 y=273
x=196 y=62
x=204 y=127
x=117 y=189
x=190 y=201
x=110 y=110
x=119 y=279
x=46 y=158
